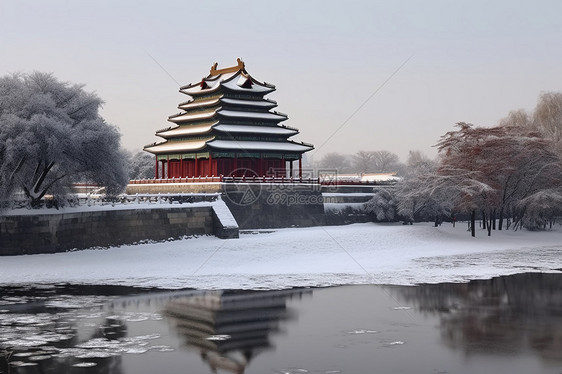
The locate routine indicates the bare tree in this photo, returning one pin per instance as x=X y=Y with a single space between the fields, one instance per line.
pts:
x=547 y=118
x=363 y=161
x=335 y=161
x=517 y=118
x=384 y=162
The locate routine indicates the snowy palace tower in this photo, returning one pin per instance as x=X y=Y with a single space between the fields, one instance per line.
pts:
x=228 y=128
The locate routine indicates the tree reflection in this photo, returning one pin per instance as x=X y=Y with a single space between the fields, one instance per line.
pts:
x=229 y=328
x=504 y=315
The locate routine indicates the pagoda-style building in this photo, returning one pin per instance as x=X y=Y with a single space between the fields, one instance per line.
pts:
x=228 y=128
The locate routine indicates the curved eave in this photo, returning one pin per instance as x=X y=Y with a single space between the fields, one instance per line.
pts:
x=198 y=104
x=186 y=130
x=229 y=82
x=197 y=90
x=245 y=146
x=179 y=146
x=260 y=104
x=266 y=116
x=256 y=88
x=188 y=117
x=249 y=129
x=211 y=80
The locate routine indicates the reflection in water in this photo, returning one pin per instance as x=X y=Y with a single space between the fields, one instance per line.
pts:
x=513 y=323
x=59 y=330
x=504 y=315
x=229 y=328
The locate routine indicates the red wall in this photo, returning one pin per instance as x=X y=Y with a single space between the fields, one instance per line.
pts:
x=224 y=166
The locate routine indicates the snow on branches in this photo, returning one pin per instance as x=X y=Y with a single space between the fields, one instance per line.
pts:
x=51 y=135
x=494 y=169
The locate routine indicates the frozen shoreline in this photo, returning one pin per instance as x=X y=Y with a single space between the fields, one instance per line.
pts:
x=300 y=257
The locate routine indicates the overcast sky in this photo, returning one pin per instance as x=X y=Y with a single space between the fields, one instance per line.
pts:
x=442 y=61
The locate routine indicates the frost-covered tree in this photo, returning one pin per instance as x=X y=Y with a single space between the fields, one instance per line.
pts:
x=493 y=169
x=418 y=197
x=52 y=135
x=382 y=206
x=539 y=210
x=141 y=166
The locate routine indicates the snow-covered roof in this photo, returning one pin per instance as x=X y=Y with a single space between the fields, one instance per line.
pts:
x=198 y=104
x=256 y=87
x=257 y=115
x=276 y=130
x=265 y=103
x=194 y=116
x=181 y=117
x=285 y=146
x=178 y=146
x=187 y=130
x=235 y=78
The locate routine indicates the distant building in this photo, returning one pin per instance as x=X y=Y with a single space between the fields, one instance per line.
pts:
x=229 y=129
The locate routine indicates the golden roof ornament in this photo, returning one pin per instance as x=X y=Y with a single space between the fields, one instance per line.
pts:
x=232 y=69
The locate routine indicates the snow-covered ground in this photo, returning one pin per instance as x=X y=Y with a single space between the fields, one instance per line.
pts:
x=316 y=256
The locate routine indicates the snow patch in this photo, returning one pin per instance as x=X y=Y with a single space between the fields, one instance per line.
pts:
x=366 y=253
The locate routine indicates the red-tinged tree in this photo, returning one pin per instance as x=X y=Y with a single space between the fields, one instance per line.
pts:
x=492 y=169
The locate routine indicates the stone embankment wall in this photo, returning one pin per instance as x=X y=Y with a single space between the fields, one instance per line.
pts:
x=263 y=205
x=59 y=232
x=243 y=206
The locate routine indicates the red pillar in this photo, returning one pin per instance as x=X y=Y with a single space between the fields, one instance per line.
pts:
x=181 y=166
x=156 y=168
x=211 y=165
x=196 y=171
x=168 y=166
x=300 y=166
x=235 y=164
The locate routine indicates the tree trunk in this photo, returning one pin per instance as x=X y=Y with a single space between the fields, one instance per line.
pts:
x=473 y=223
x=484 y=222
x=491 y=217
x=500 y=223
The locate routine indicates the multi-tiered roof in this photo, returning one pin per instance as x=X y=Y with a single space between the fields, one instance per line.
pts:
x=228 y=117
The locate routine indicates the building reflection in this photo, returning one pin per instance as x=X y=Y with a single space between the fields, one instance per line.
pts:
x=229 y=328
x=504 y=315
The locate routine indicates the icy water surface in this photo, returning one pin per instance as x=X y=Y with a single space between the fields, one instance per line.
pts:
x=505 y=325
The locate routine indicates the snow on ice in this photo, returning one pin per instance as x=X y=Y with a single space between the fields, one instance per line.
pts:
x=300 y=257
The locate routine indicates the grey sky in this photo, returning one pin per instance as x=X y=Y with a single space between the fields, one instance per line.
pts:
x=472 y=61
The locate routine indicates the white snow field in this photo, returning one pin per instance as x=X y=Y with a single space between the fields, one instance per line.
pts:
x=300 y=257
